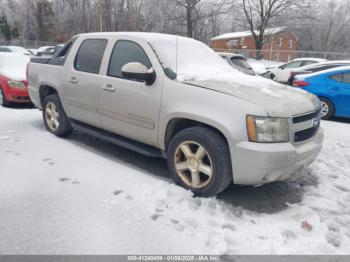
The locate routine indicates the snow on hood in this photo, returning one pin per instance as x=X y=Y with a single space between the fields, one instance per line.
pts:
x=196 y=63
x=278 y=100
x=13 y=66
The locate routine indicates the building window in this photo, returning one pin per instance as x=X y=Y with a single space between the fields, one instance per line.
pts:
x=290 y=43
x=289 y=58
x=242 y=41
x=280 y=41
x=232 y=44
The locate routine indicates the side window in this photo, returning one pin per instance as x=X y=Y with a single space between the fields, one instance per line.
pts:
x=125 y=52
x=89 y=56
x=295 y=64
x=305 y=63
x=346 y=78
x=321 y=68
x=337 y=77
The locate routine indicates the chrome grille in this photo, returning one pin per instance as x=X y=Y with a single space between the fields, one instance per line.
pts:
x=306 y=126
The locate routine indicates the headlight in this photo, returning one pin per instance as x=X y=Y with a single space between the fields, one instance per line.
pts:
x=267 y=129
x=16 y=84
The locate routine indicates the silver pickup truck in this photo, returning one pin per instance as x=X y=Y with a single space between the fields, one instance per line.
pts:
x=173 y=97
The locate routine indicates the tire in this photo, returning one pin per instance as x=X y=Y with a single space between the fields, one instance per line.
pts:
x=328 y=109
x=272 y=76
x=55 y=119
x=184 y=168
x=3 y=100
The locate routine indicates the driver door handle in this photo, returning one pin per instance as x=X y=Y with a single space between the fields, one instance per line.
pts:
x=108 y=88
x=73 y=80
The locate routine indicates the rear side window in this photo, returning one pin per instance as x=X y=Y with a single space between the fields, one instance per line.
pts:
x=241 y=63
x=125 y=52
x=321 y=68
x=89 y=56
x=294 y=64
x=337 y=77
x=308 y=63
x=346 y=78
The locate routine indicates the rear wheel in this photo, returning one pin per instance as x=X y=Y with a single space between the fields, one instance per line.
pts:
x=3 y=100
x=199 y=160
x=55 y=119
x=327 y=108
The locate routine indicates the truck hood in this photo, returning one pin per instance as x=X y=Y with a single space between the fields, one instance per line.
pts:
x=278 y=100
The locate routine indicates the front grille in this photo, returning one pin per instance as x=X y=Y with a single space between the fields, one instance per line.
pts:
x=305 y=134
x=304 y=118
x=306 y=126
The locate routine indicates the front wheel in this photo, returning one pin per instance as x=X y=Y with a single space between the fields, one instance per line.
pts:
x=199 y=160
x=55 y=119
x=327 y=108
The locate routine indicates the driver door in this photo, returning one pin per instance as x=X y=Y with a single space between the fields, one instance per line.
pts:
x=128 y=107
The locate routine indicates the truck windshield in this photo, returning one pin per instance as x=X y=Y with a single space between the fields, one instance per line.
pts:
x=190 y=60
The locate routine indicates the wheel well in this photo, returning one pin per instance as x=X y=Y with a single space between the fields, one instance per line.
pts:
x=44 y=91
x=178 y=124
x=330 y=100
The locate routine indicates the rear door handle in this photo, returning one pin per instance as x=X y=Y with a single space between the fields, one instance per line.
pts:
x=108 y=88
x=73 y=80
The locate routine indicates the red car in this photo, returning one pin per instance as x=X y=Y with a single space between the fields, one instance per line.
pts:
x=13 y=80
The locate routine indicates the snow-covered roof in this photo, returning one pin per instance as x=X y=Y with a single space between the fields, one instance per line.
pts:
x=315 y=59
x=268 y=31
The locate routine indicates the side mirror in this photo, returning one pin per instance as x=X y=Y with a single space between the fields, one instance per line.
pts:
x=139 y=72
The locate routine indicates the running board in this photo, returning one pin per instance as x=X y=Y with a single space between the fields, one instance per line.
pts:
x=117 y=140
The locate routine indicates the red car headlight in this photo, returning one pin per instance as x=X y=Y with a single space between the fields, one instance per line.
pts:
x=16 y=84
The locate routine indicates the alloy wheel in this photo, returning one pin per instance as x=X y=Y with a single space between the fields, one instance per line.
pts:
x=52 y=116
x=193 y=164
x=324 y=109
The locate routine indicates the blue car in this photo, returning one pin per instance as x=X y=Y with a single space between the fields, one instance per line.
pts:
x=332 y=87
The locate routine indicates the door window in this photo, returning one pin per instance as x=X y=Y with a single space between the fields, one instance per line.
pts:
x=90 y=54
x=337 y=77
x=240 y=62
x=125 y=52
x=295 y=64
x=305 y=63
x=346 y=78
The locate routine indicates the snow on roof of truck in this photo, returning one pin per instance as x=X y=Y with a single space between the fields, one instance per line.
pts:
x=141 y=35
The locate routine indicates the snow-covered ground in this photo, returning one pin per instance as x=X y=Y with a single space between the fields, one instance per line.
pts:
x=81 y=195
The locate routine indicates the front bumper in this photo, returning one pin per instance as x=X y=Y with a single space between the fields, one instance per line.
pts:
x=256 y=164
x=18 y=95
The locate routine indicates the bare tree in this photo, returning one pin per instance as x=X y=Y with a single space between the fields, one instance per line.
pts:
x=197 y=11
x=260 y=13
